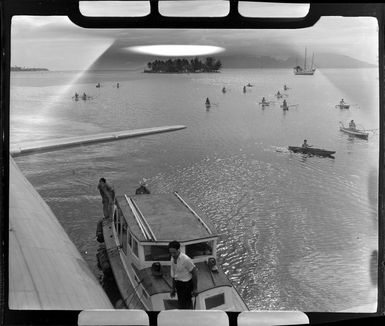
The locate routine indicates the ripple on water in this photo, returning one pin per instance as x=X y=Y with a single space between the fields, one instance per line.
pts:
x=269 y=235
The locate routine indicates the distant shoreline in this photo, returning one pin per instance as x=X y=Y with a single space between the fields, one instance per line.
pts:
x=179 y=72
x=16 y=68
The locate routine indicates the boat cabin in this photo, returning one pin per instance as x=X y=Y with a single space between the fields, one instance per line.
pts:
x=143 y=226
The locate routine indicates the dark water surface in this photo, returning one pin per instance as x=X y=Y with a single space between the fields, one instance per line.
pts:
x=297 y=232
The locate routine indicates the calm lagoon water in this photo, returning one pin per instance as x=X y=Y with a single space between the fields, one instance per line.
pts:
x=297 y=232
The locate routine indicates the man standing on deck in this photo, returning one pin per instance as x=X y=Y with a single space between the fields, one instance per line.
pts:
x=108 y=197
x=184 y=276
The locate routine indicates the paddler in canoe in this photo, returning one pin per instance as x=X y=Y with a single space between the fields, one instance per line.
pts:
x=285 y=107
x=309 y=149
x=264 y=102
x=352 y=125
x=279 y=95
x=208 y=104
x=305 y=144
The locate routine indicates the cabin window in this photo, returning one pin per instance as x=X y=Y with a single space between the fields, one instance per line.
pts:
x=124 y=236
x=199 y=249
x=116 y=219
x=118 y=225
x=135 y=248
x=156 y=253
x=170 y=304
x=129 y=240
x=215 y=301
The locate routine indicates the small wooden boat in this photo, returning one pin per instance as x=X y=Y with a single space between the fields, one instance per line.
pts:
x=343 y=106
x=207 y=103
x=355 y=132
x=311 y=151
x=264 y=104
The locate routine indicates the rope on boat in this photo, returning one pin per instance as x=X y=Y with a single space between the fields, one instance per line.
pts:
x=141 y=226
x=152 y=235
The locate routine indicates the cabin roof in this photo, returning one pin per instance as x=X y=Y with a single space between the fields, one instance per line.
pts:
x=166 y=218
x=160 y=284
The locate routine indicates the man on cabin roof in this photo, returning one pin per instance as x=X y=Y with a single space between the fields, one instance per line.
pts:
x=184 y=276
x=108 y=197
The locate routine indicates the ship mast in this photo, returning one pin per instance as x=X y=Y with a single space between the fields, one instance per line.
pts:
x=312 y=59
x=305 y=60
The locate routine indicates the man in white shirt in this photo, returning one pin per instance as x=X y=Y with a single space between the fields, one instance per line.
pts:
x=184 y=276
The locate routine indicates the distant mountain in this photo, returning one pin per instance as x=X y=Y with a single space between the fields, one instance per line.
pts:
x=324 y=60
x=116 y=58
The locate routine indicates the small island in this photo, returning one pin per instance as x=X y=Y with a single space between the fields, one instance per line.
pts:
x=184 y=66
x=16 y=68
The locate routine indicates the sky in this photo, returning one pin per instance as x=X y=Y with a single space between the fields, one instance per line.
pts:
x=55 y=43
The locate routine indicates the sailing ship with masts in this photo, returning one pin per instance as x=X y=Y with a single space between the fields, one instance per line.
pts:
x=298 y=70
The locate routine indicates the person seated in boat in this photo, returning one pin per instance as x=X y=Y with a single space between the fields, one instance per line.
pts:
x=263 y=100
x=352 y=125
x=244 y=89
x=305 y=144
x=76 y=96
x=207 y=101
x=285 y=87
x=84 y=96
x=142 y=190
x=342 y=102
x=224 y=90
x=184 y=276
x=117 y=85
x=284 y=105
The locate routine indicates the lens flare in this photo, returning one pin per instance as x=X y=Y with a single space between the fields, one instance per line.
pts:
x=176 y=50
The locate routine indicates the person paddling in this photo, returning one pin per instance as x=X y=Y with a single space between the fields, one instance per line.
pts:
x=305 y=144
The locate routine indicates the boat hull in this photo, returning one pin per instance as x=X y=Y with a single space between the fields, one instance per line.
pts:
x=311 y=151
x=343 y=106
x=304 y=73
x=356 y=133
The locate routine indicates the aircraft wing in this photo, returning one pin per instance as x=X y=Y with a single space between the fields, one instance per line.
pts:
x=46 y=271
x=61 y=143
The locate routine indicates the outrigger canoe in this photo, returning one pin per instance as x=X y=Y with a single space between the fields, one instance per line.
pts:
x=311 y=151
x=356 y=132
x=343 y=106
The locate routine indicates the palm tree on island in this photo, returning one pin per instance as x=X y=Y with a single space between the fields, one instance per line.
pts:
x=184 y=66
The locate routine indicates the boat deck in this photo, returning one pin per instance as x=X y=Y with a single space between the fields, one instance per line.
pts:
x=160 y=284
